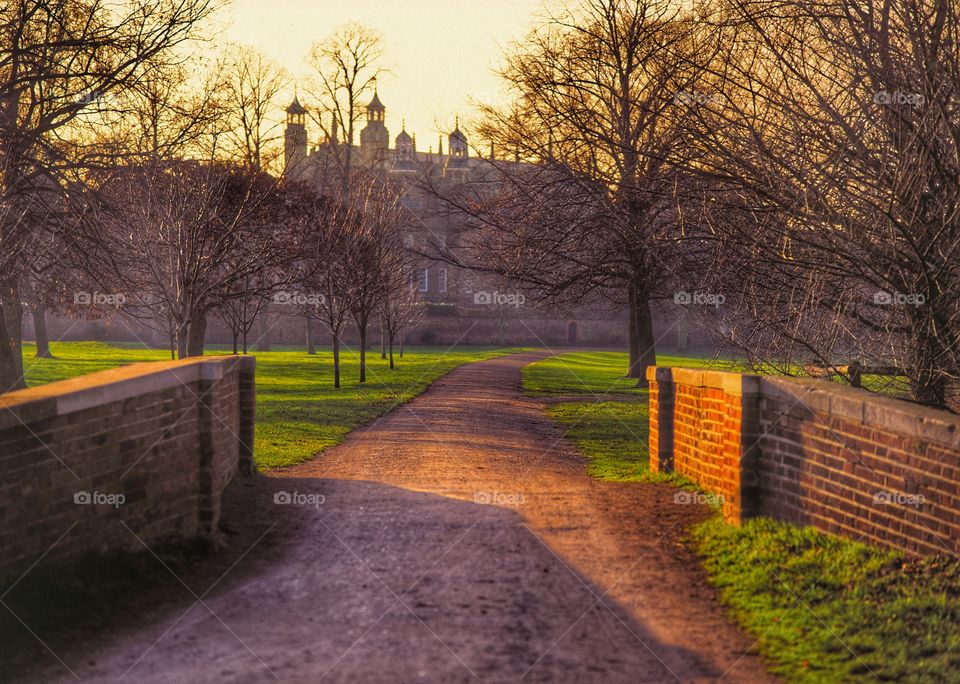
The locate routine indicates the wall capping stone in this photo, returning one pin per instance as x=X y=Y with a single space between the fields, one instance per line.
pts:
x=114 y=384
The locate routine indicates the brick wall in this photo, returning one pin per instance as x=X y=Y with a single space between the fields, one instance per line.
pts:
x=122 y=457
x=812 y=452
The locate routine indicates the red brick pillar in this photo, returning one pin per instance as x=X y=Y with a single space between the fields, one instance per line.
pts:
x=741 y=432
x=662 y=393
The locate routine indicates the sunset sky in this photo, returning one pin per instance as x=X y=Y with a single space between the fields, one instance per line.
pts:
x=441 y=53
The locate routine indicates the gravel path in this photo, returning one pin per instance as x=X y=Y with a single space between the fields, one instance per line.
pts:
x=402 y=574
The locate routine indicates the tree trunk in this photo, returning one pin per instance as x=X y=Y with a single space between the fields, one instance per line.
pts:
x=363 y=352
x=929 y=379
x=632 y=336
x=246 y=347
x=263 y=332
x=391 y=352
x=236 y=335
x=336 y=359
x=383 y=343
x=401 y=346
x=182 y=340
x=645 y=339
x=311 y=345
x=11 y=353
x=197 y=335
x=40 y=331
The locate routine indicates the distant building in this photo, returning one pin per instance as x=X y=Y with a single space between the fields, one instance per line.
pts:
x=438 y=282
x=461 y=305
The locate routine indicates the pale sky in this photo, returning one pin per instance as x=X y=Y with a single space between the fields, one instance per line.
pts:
x=441 y=53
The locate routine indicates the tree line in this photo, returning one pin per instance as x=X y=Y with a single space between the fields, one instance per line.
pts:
x=797 y=161
x=138 y=177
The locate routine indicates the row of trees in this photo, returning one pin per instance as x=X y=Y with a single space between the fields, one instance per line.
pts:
x=130 y=182
x=799 y=157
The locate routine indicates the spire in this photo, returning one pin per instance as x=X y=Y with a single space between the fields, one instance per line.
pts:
x=375 y=103
x=295 y=107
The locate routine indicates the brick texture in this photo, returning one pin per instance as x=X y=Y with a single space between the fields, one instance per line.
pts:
x=811 y=452
x=150 y=446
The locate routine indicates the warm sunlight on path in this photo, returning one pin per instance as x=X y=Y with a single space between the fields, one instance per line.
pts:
x=400 y=575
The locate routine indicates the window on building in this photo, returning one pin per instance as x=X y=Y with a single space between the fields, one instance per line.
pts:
x=467 y=286
x=424 y=284
x=442 y=280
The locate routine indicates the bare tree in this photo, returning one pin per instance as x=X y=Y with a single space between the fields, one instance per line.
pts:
x=401 y=308
x=249 y=90
x=58 y=59
x=586 y=208
x=179 y=238
x=324 y=232
x=833 y=129
x=346 y=66
x=376 y=250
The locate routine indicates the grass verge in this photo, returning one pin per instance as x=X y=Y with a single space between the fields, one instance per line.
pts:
x=598 y=373
x=826 y=609
x=613 y=434
x=299 y=413
x=822 y=608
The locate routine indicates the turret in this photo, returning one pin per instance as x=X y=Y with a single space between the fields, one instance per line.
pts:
x=375 y=138
x=458 y=162
x=295 y=136
x=404 y=154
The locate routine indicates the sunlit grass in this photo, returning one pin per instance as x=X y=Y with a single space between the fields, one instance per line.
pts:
x=299 y=413
x=600 y=373
x=826 y=609
x=612 y=434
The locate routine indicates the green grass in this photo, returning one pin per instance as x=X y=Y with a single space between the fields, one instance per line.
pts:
x=613 y=434
x=299 y=413
x=831 y=610
x=598 y=373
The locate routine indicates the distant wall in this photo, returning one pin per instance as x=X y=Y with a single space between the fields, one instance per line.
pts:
x=812 y=452
x=674 y=329
x=129 y=455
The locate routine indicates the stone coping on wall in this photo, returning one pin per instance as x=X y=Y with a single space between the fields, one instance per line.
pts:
x=824 y=397
x=115 y=384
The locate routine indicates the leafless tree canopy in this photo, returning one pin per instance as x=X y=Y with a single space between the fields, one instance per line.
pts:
x=832 y=131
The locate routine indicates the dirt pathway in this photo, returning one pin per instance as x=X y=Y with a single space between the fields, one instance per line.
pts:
x=402 y=573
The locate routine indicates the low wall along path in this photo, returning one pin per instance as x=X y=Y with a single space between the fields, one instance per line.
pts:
x=812 y=452
x=121 y=458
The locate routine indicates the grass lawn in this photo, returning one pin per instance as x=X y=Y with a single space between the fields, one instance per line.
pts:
x=613 y=434
x=598 y=373
x=298 y=411
x=830 y=610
